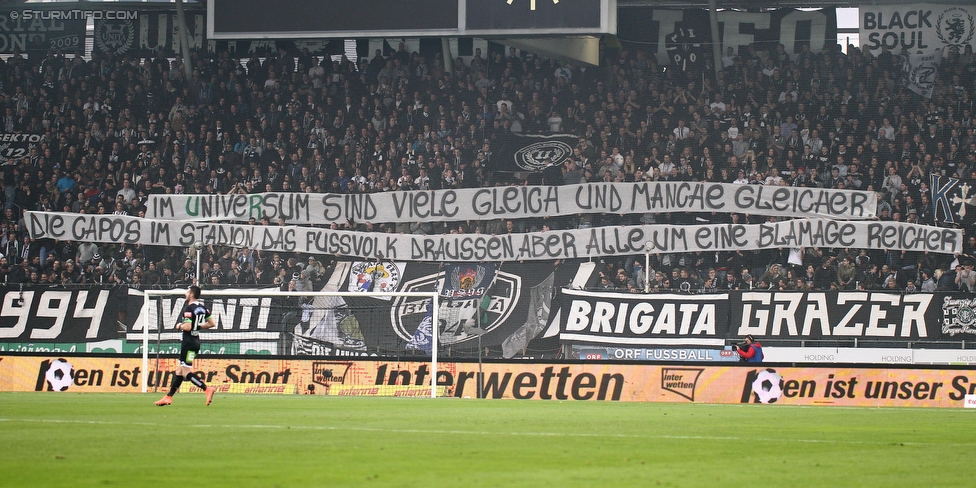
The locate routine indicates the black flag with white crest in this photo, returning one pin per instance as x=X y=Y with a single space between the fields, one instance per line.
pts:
x=953 y=200
x=519 y=152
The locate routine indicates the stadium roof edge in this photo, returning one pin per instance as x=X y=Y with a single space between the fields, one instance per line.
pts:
x=734 y=4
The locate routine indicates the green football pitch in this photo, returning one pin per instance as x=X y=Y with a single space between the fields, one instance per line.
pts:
x=65 y=439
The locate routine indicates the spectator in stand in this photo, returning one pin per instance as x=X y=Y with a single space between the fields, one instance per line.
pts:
x=965 y=278
x=606 y=284
x=927 y=280
x=825 y=275
x=846 y=273
x=403 y=117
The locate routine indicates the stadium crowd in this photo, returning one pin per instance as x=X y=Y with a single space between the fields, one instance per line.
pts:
x=120 y=128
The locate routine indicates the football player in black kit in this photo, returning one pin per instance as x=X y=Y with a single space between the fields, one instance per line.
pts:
x=195 y=317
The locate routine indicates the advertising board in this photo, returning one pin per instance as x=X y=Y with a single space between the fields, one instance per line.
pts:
x=841 y=386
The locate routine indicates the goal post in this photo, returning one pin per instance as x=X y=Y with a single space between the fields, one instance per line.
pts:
x=158 y=320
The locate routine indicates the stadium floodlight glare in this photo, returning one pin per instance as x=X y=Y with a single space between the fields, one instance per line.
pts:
x=151 y=322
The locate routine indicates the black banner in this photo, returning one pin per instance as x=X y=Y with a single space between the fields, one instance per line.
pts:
x=36 y=34
x=513 y=307
x=648 y=29
x=51 y=315
x=639 y=320
x=523 y=300
x=627 y=320
x=519 y=152
x=837 y=315
x=244 y=325
x=687 y=46
x=148 y=33
x=953 y=201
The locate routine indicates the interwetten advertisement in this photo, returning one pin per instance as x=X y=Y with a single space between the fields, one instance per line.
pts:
x=866 y=387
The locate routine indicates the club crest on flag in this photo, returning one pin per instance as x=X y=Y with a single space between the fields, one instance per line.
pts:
x=920 y=71
x=467 y=280
x=368 y=276
x=457 y=318
x=117 y=38
x=955 y=27
x=534 y=156
x=959 y=316
x=530 y=152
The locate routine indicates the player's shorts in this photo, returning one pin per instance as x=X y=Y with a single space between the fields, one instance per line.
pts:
x=188 y=351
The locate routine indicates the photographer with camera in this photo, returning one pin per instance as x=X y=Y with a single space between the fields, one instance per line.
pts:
x=749 y=350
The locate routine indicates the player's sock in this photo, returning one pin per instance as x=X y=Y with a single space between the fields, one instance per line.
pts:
x=175 y=387
x=197 y=382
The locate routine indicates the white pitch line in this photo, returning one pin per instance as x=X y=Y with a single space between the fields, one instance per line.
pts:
x=488 y=433
x=91 y=422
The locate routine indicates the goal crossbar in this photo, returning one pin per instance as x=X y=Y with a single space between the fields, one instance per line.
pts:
x=434 y=296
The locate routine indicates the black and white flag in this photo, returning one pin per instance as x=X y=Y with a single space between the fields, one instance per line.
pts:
x=540 y=304
x=953 y=200
x=15 y=146
x=920 y=70
x=148 y=33
x=519 y=152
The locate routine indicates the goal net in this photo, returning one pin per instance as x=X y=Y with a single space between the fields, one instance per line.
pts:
x=282 y=326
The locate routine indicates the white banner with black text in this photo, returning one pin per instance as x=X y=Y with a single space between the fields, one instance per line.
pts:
x=514 y=202
x=564 y=244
